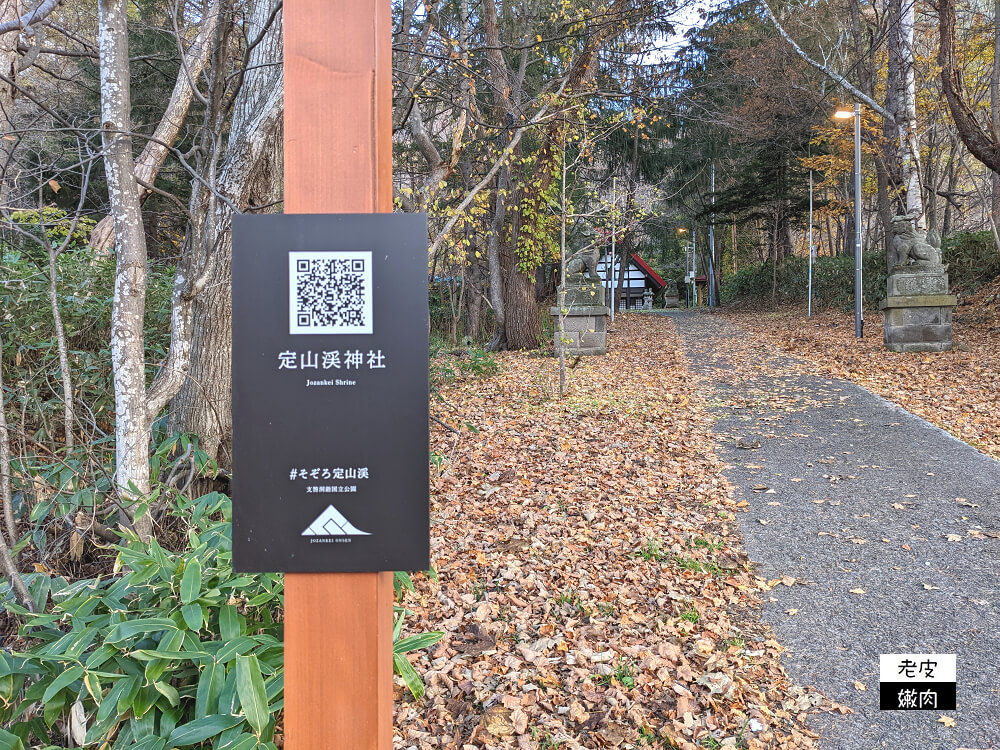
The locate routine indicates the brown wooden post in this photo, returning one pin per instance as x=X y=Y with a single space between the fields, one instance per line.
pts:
x=338 y=159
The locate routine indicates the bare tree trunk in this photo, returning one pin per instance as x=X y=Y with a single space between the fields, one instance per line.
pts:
x=995 y=106
x=8 y=65
x=981 y=142
x=69 y=418
x=736 y=253
x=132 y=424
x=473 y=299
x=497 y=277
x=7 y=560
x=6 y=497
x=931 y=176
x=909 y=147
x=251 y=177
x=521 y=326
x=952 y=172
x=774 y=261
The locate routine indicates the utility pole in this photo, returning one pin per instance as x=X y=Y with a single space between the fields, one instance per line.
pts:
x=614 y=230
x=694 y=264
x=712 y=301
x=810 y=294
x=859 y=320
x=562 y=278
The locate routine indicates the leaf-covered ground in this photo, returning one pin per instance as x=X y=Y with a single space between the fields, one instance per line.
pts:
x=955 y=390
x=592 y=585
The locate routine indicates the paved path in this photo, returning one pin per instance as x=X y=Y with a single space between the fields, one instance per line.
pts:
x=889 y=484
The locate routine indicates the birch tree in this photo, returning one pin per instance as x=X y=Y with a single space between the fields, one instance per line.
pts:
x=135 y=405
x=157 y=148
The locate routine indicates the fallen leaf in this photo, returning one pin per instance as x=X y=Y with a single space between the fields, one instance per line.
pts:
x=931 y=588
x=858 y=591
x=860 y=686
x=496 y=721
x=520 y=720
x=78 y=723
x=946 y=720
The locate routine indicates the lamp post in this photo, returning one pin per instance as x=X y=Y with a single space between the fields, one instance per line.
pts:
x=843 y=114
x=687 y=265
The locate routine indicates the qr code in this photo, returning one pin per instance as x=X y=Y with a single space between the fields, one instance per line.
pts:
x=330 y=292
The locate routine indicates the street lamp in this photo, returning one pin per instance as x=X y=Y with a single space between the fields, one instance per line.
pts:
x=845 y=114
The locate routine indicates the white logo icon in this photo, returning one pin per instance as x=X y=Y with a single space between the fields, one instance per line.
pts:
x=331 y=522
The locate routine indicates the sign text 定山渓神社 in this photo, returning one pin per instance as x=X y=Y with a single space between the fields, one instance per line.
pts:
x=330 y=414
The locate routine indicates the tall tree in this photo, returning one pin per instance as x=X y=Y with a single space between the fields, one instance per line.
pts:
x=245 y=174
x=135 y=406
x=900 y=108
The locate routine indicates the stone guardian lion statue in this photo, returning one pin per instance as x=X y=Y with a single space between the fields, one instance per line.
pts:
x=912 y=247
x=584 y=262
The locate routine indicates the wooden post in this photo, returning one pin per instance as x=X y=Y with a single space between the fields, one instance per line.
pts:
x=338 y=159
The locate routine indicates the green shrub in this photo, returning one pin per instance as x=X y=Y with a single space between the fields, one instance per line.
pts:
x=833 y=283
x=972 y=260
x=30 y=352
x=173 y=650
x=446 y=363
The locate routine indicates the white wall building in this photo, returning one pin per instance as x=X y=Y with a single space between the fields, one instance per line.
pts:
x=639 y=278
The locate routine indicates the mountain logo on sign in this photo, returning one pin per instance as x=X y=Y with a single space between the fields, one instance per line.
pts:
x=331 y=522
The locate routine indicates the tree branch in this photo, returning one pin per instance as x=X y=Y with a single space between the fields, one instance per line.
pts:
x=832 y=74
x=977 y=139
x=35 y=16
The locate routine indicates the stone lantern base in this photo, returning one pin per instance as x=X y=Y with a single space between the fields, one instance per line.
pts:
x=918 y=311
x=585 y=324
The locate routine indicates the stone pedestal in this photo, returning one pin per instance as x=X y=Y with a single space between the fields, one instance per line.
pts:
x=672 y=297
x=586 y=318
x=918 y=310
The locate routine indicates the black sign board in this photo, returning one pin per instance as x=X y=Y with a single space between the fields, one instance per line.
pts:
x=330 y=412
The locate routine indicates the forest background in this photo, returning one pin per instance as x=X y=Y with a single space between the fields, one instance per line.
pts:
x=133 y=132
